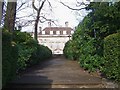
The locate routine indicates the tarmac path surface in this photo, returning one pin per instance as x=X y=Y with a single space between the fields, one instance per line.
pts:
x=58 y=72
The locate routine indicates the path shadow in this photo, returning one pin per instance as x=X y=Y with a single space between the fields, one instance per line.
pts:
x=32 y=78
x=30 y=82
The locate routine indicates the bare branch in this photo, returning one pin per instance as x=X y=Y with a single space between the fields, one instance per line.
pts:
x=71 y=7
x=24 y=16
x=33 y=5
x=21 y=9
x=81 y=3
x=25 y=23
x=41 y=5
x=45 y=19
x=21 y=6
x=49 y=5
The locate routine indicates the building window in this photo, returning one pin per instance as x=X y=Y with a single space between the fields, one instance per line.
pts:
x=72 y=32
x=64 y=32
x=51 y=32
x=43 y=32
x=58 y=32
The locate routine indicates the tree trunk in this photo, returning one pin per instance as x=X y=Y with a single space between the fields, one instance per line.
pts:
x=10 y=16
x=38 y=16
x=36 y=25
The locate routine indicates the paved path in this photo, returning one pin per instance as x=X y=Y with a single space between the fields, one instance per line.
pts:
x=57 y=73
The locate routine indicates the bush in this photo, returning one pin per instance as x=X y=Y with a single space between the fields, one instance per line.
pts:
x=30 y=52
x=26 y=46
x=42 y=53
x=9 y=58
x=88 y=58
x=112 y=56
x=68 y=50
x=19 y=51
x=24 y=54
x=21 y=37
x=91 y=62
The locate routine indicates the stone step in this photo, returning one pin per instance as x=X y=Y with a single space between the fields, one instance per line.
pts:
x=56 y=85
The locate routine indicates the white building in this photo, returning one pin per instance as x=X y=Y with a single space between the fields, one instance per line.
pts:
x=55 y=37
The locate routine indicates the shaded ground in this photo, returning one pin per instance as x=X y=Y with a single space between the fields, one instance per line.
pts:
x=59 y=73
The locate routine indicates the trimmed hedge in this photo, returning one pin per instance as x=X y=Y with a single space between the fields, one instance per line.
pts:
x=88 y=58
x=68 y=50
x=9 y=58
x=112 y=56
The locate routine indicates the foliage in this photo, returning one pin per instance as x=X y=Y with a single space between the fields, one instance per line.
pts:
x=30 y=52
x=68 y=50
x=87 y=44
x=112 y=56
x=21 y=37
x=105 y=18
x=19 y=51
x=26 y=46
x=9 y=58
x=42 y=53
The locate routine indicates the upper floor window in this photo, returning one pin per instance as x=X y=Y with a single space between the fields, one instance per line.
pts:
x=64 y=32
x=58 y=32
x=43 y=32
x=51 y=32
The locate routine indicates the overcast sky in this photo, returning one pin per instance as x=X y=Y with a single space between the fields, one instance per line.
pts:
x=60 y=14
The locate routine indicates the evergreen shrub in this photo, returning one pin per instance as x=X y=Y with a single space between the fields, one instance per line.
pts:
x=112 y=56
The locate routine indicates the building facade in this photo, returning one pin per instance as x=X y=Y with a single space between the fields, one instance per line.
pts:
x=55 y=37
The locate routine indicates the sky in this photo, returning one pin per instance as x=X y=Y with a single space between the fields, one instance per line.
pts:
x=60 y=14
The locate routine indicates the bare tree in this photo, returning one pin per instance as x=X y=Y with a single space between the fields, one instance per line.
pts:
x=38 y=10
x=79 y=7
x=22 y=20
x=20 y=7
x=10 y=16
x=1 y=10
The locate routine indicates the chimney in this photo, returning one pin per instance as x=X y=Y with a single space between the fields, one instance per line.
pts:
x=49 y=24
x=66 y=24
x=40 y=29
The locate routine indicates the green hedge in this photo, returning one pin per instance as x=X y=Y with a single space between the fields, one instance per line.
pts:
x=30 y=52
x=42 y=53
x=26 y=46
x=68 y=50
x=88 y=58
x=19 y=51
x=85 y=52
x=112 y=56
x=9 y=58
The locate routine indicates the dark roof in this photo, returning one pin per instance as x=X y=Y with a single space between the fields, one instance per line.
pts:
x=54 y=29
